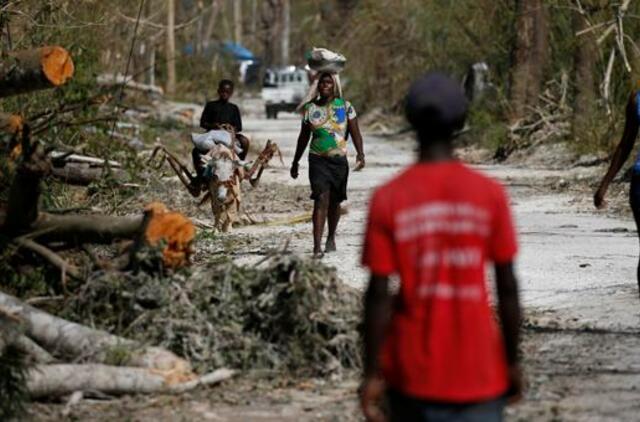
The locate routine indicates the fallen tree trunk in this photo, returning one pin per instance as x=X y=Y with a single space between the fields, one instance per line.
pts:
x=85 y=159
x=11 y=123
x=31 y=70
x=24 y=193
x=64 y=379
x=128 y=83
x=59 y=336
x=53 y=258
x=32 y=349
x=83 y=174
x=80 y=229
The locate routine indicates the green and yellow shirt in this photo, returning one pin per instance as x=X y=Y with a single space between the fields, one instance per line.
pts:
x=329 y=126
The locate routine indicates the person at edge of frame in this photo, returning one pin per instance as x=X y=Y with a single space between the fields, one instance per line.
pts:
x=620 y=156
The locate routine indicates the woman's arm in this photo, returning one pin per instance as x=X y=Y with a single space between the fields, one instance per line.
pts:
x=303 y=141
x=354 y=130
x=622 y=151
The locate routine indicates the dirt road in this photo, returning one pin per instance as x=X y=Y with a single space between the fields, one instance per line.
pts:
x=577 y=275
x=576 y=268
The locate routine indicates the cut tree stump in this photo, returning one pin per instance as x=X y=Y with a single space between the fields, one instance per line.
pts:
x=32 y=70
x=11 y=123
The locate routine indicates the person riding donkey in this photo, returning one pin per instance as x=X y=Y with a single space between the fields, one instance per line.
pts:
x=219 y=114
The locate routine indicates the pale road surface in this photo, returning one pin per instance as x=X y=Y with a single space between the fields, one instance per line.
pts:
x=577 y=267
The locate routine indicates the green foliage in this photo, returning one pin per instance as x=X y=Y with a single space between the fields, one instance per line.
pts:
x=288 y=314
x=488 y=130
x=117 y=356
x=27 y=281
x=13 y=390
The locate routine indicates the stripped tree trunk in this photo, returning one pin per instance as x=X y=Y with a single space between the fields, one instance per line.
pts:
x=211 y=24
x=285 y=34
x=83 y=174
x=237 y=21
x=171 y=48
x=584 y=63
x=271 y=26
x=64 y=379
x=530 y=55
x=78 y=229
x=59 y=336
x=32 y=70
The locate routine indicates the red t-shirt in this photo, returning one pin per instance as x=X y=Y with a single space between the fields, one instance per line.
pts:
x=436 y=225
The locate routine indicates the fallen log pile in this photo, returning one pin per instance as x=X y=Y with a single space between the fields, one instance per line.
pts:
x=66 y=357
x=49 y=341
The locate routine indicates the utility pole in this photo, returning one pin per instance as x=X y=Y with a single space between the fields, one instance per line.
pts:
x=286 y=30
x=237 y=21
x=254 y=22
x=171 y=48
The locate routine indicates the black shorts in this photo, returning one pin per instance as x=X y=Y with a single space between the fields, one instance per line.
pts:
x=328 y=174
x=409 y=409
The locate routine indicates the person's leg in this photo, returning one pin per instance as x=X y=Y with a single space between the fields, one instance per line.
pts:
x=340 y=170
x=320 y=208
x=634 y=200
x=196 y=183
x=244 y=144
x=333 y=217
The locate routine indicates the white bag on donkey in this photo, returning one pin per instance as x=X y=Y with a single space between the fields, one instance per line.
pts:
x=205 y=141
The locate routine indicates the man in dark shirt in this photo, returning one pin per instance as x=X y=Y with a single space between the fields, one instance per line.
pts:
x=221 y=112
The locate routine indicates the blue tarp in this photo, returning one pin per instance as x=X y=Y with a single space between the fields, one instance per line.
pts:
x=238 y=51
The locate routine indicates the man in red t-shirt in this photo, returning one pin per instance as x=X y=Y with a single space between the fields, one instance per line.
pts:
x=435 y=347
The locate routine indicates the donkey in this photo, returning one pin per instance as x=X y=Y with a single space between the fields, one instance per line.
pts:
x=221 y=180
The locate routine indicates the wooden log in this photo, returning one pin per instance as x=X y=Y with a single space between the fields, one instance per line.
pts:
x=77 y=158
x=53 y=258
x=83 y=174
x=32 y=70
x=80 y=229
x=32 y=349
x=59 y=336
x=63 y=379
x=11 y=123
x=107 y=79
x=24 y=193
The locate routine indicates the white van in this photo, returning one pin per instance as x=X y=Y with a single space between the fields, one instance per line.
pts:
x=283 y=89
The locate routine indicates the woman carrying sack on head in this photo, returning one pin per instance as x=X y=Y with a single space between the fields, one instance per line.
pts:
x=328 y=120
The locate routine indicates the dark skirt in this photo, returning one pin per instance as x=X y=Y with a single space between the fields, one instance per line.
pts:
x=328 y=174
